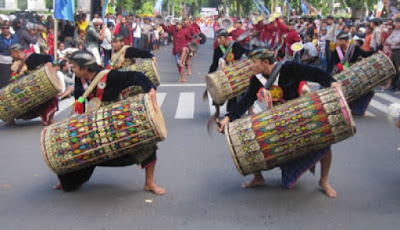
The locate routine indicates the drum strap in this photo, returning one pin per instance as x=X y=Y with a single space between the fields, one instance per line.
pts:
x=118 y=58
x=274 y=75
x=99 y=81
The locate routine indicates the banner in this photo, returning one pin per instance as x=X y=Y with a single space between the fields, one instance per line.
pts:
x=64 y=9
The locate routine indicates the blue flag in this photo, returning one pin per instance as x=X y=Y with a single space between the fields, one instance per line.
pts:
x=157 y=6
x=304 y=7
x=64 y=9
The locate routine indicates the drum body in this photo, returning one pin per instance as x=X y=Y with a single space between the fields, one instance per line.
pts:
x=274 y=137
x=111 y=131
x=26 y=93
x=364 y=75
x=230 y=81
x=146 y=66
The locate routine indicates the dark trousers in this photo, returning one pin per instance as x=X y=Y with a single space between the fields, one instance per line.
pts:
x=395 y=58
x=107 y=57
x=5 y=74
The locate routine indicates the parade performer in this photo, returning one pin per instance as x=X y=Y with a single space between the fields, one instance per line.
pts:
x=23 y=64
x=123 y=53
x=345 y=55
x=286 y=77
x=225 y=54
x=180 y=46
x=192 y=30
x=110 y=84
x=237 y=32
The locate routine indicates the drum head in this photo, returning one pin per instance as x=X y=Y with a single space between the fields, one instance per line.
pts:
x=243 y=36
x=53 y=77
x=213 y=86
x=93 y=105
x=156 y=117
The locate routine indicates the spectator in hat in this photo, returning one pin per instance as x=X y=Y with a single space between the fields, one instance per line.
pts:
x=94 y=37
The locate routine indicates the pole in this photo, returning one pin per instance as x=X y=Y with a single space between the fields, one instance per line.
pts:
x=55 y=39
x=331 y=7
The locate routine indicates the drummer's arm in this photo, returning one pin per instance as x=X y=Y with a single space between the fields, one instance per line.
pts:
x=246 y=101
x=78 y=88
x=122 y=80
x=363 y=53
x=305 y=72
x=243 y=105
x=240 y=49
x=217 y=54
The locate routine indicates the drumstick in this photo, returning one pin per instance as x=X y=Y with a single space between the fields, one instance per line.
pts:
x=217 y=121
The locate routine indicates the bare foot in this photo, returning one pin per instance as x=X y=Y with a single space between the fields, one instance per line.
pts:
x=155 y=189
x=183 y=80
x=254 y=183
x=57 y=187
x=189 y=73
x=329 y=191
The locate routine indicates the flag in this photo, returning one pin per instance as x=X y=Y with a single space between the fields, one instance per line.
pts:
x=105 y=8
x=304 y=8
x=64 y=9
x=290 y=7
x=157 y=6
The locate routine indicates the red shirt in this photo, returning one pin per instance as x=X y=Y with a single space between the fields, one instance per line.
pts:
x=181 y=38
x=236 y=33
x=196 y=28
x=291 y=38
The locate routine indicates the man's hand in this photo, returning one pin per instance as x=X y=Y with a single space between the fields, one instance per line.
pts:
x=153 y=98
x=337 y=85
x=222 y=124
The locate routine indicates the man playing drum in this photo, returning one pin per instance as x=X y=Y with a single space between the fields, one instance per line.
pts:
x=229 y=51
x=121 y=53
x=23 y=64
x=286 y=78
x=108 y=89
x=345 y=55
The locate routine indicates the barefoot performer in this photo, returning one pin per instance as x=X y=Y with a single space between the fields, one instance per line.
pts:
x=108 y=89
x=23 y=64
x=180 y=49
x=287 y=77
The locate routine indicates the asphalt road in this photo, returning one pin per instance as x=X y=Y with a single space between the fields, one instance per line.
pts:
x=203 y=186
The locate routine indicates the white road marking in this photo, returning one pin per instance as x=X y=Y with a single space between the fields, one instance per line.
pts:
x=161 y=98
x=388 y=97
x=184 y=85
x=377 y=105
x=222 y=109
x=65 y=104
x=185 y=108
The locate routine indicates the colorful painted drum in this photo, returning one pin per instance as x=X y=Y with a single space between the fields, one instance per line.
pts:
x=360 y=78
x=288 y=131
x=102 y=135
x=229 y=82
x=146 y=66
x=27 y=92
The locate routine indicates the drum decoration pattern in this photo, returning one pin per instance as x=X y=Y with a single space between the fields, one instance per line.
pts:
x=146 y=66
x=27 y=92
x=230 y=81
x=364 y=75
x=105 y=134
x=274 y=137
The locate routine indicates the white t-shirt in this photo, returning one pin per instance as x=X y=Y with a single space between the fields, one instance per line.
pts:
x=107 y=40
x=309 y=47
x=138 y=32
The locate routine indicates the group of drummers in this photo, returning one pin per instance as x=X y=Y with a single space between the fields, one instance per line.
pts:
x=103 y=132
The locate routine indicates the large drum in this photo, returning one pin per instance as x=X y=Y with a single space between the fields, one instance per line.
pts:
x=364 y=75
x=26 y=93
x=102 y=135
x=230 y=81
x=146 y=66
x=274 y=137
